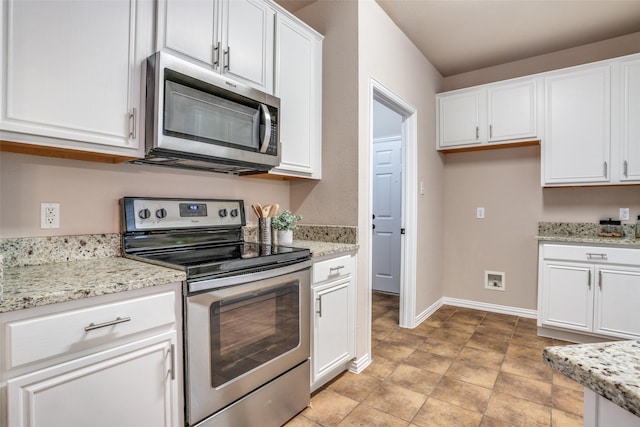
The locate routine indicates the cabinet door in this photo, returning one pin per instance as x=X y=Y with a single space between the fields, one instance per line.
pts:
x=630 y=138
x=299 y=87
x=577 y=131
x=512 y=111
x=128 y=386
x=187 y=27
x=617 y=296
x=459 y=119
x=72 y=71
x=334 y=342
x=567 y=295
x=246 y=36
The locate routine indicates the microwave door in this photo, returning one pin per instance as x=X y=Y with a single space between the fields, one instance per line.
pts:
x=208 y=118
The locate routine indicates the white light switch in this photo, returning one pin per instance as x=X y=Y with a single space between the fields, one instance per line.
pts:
x=480 y=213
x=624 y=214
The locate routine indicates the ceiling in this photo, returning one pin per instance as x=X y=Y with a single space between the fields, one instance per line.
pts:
x=465 y=35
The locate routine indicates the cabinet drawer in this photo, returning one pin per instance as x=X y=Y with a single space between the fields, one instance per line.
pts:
x=47 y=336
x=596 y=254
x=332 y=268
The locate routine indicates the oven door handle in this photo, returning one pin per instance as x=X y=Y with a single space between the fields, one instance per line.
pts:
x=223 y=282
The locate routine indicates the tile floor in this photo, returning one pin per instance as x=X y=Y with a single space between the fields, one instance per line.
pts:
x=459 y=368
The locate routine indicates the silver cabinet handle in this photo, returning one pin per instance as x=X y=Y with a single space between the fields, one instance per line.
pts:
x=593 y=255
x=589 y=280
x=216 y=55
x=118 y=319
x=606 y=170
x=132 y=124
x=477 y=132
x=490 y=131
x=600 y=279
x=172 y=354
x=227 y=55
x=319 y=312
x=625 y=168
x=336 y=269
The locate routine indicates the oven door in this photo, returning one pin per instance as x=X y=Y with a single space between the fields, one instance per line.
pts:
x=240 y=337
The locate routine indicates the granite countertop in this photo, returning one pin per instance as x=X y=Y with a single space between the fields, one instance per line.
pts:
x=38 y=285
x=47 y=270
x=610 y=369
x=319 y=249
x=581 y=232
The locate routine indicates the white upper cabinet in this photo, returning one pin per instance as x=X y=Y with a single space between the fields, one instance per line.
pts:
x=233 y=37
x=71 y=73
x=577 y=127
x=592 y=133
x=511 y=112
x=299 y=87
x=460 y=116
x=487 y=115
x=628 y=119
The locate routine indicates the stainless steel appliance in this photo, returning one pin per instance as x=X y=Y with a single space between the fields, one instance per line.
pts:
x=198 y=119
x=246 y=309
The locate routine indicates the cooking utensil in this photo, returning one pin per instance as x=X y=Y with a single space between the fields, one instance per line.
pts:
x=258 y=210
x=274 y=210
x=265 y=211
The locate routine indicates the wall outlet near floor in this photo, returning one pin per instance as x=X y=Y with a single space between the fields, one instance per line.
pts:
x=624 y=214
x=494 y=280
x=49 y=215
x=480 y=213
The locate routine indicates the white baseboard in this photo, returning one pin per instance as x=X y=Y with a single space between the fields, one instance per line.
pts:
x=358 y=365
x=428 y=312
x=494 y=308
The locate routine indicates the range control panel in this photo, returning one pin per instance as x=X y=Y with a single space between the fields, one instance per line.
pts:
x=148 y=214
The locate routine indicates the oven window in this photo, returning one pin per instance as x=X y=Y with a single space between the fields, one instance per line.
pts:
x=251 y=330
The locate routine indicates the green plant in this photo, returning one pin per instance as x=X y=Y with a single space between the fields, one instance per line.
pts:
x=285 y=221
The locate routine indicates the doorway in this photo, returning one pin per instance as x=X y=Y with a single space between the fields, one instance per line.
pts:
x=387 y=198
x=393 y=163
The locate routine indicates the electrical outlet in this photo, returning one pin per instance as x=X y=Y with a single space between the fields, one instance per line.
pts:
x=480 y=213
x=624 y=214
x=49 y=215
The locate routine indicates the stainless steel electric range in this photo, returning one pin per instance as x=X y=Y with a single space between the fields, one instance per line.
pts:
x=246 y=309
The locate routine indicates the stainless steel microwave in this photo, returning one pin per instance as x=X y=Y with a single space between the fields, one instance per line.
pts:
x=198 y=119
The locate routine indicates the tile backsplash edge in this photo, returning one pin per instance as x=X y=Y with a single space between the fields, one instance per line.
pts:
x=25 y=251
x=322 y=233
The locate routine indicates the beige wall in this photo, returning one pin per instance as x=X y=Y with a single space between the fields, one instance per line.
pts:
x=506 y=183
x=333 y=200
x=388 y=56
x=619 y=46
x=88 y=192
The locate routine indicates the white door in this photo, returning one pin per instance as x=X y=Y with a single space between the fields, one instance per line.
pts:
x=459 y=119
x=387 y=214
x=630 y=122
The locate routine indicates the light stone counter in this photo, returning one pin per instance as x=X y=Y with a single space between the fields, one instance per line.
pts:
x=584 y=232
x=611 y=369
x=319 y=249
x=38 y=285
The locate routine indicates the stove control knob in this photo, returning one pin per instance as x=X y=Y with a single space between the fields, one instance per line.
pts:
x=144 y=213
x=222 y=213
x=234 y=212
x=161 y=213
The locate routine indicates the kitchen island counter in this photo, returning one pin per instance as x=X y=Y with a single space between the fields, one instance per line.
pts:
x=38 y=285
x=610 y=369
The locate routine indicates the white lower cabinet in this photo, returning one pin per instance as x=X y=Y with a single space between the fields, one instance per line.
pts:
x=126 y=386
x=333 y=318
x=104 y=361
x=590 y=290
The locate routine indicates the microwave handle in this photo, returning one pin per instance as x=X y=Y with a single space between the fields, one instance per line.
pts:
x=267 y=128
